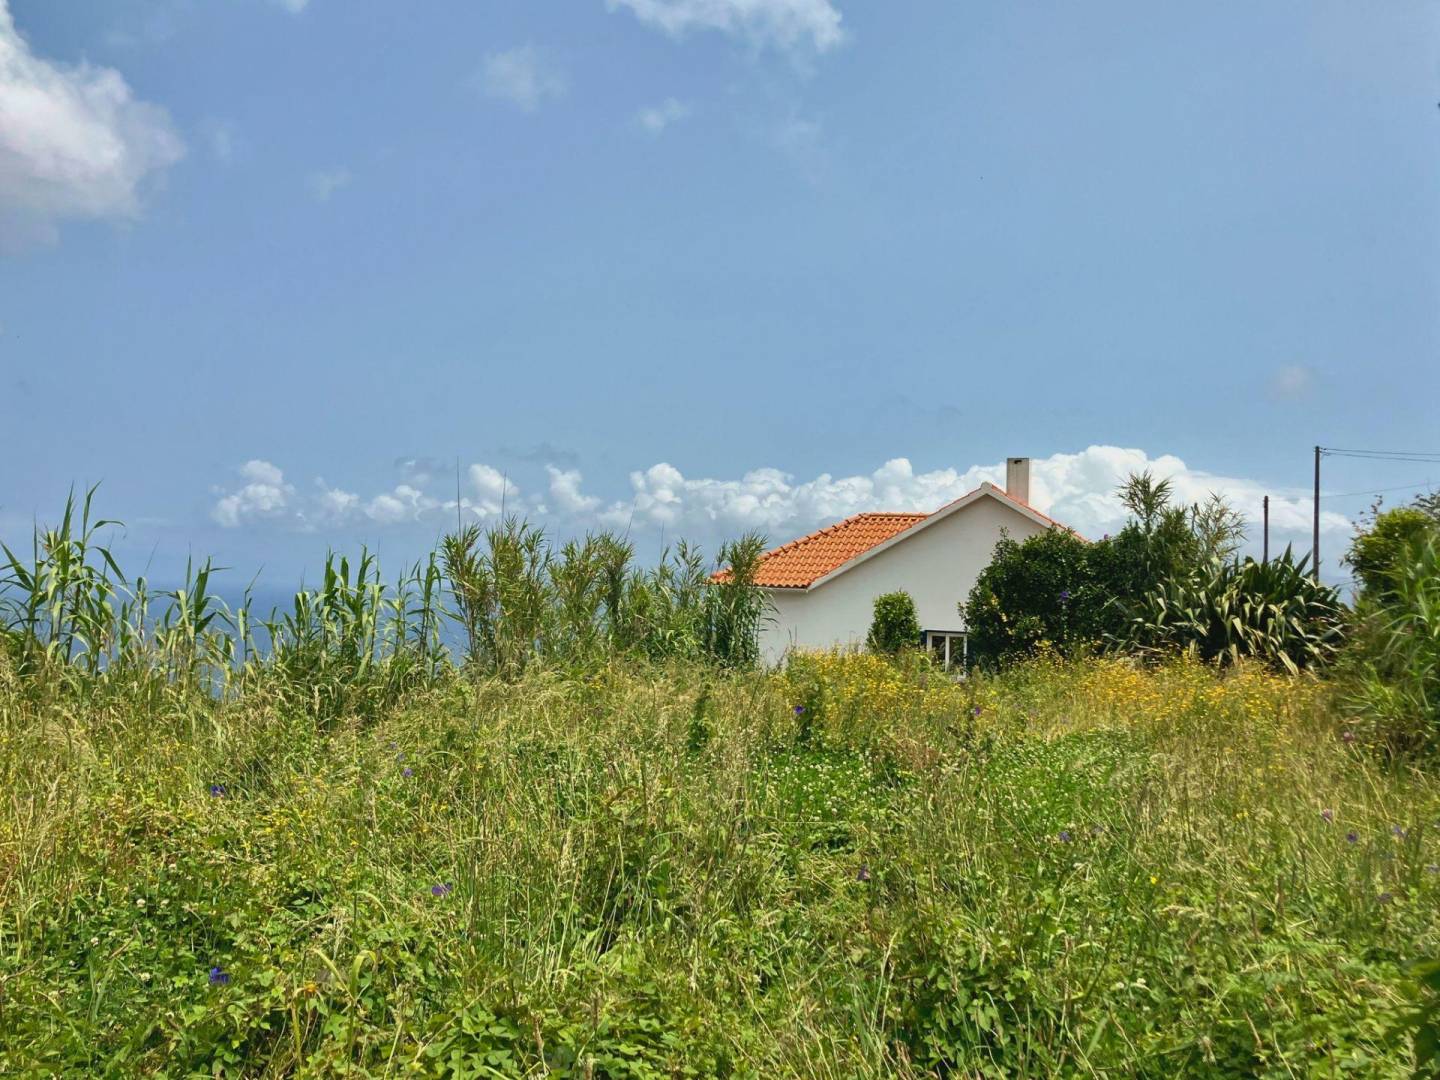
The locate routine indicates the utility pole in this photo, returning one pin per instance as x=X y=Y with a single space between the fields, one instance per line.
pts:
x=1265 y=558
x=1315 y=535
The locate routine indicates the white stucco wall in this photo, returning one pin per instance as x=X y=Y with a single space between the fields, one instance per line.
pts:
x=937 y=566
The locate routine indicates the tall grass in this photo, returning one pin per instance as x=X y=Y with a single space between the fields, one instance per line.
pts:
x=598 y=842
x=1084 y=869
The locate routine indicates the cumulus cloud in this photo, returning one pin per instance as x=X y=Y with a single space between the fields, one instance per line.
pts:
x=74 y=142
x=264 y=494
x=521 y=76
x=565 y=491
x=786 y=24
x=656 y=118
x=1078 y=489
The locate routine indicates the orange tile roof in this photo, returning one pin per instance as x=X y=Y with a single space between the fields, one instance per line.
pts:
x=801 y=562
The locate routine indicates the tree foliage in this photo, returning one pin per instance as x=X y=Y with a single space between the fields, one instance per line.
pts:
x=1376 y=552
x=895 y=625
x=1058 y=591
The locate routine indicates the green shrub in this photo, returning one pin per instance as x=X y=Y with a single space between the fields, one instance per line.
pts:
x=1273 y=612
x=1057 y=591
x=1395 y=669
x=894 y=625
x=1033 y=593
x=1375 y=554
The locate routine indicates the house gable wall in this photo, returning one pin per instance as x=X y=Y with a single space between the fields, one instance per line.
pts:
x=937 y=565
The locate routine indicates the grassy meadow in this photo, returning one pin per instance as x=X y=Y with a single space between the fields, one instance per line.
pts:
x=850 y=868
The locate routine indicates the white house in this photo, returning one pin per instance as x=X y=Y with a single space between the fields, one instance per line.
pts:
x=823 y=586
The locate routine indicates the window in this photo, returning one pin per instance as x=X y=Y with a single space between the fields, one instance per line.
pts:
x=948 y=648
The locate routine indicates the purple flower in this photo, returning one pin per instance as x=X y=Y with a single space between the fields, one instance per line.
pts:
x=217 y=790
x=219 y=977
x=407 y=772
x=799 y=709
x=1064 y=596
x=1327 y=816
x=975 y=711
x=442 y=890
x=863 y=874
x=1064 y=836
x=1351 y=838
x=400 y=756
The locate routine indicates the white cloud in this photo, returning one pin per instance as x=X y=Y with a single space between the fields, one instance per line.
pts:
x=324 y=183
x=787 y=24
x=521 y=76
x=1292 y=381
x=74 y=142
x=336 y=505
x=265 y=494
x=1078 y=489
x=656 y=118
x=565 y=490
x=293 y=6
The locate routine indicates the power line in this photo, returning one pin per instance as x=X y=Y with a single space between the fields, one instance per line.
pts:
x=1378 y=491
x=1382 y=455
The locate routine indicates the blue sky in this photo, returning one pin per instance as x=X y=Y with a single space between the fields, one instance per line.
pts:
x=270 y=268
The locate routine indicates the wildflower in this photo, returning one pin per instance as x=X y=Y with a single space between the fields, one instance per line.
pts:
x=799 y=710
x=1397 y=831
x=975 y=711
x=1347 y=737
x=217 y=791
x=140 y=903
x=1154 y=880
x=400 y=756
x=1064 y=596
x=219 y=977
x=1064 y=836
x=407 y=772
x=145 y=976
x=1351 y=838
x=442 y=890
x=1327 y=816
x=863 y=874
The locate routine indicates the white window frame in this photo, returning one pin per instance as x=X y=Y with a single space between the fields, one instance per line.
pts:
x=951 y=660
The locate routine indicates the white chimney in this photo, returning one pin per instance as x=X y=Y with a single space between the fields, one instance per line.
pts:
x=1017 y=478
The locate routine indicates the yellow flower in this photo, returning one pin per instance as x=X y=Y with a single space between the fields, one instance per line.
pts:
x=1154 y=880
